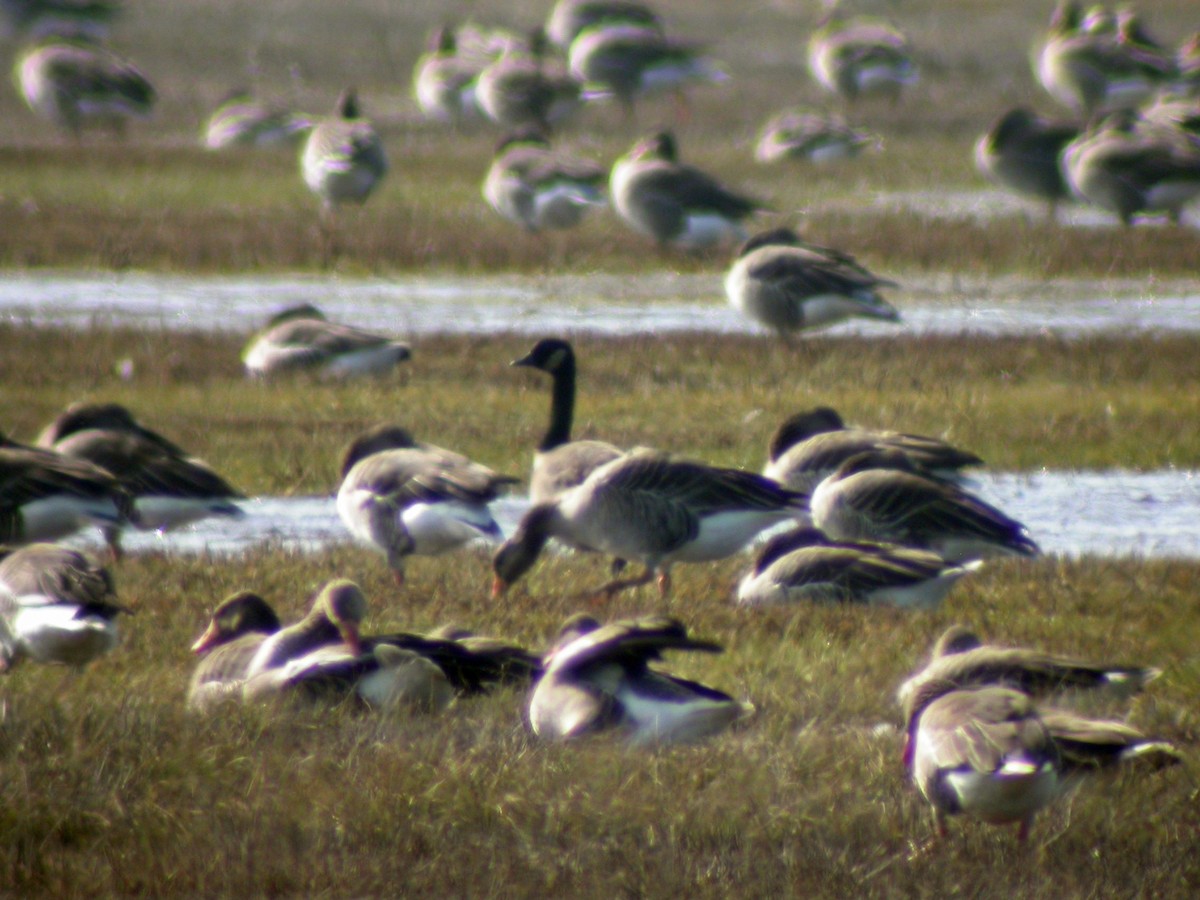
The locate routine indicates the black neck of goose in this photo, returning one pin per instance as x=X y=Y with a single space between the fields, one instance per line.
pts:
x=562 y=407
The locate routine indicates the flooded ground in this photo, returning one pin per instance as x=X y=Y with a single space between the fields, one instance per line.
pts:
x=1112 y=513
x=597 y=304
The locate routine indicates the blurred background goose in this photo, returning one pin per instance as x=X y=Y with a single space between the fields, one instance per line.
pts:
x=812 y=136
x=598 y=679
x=239 y=120
x=343 y=160
x=674 y=203
x=533 y=186
x=56 y=605
x=655 y=509
x=526 y=89
x=568 y=18
x=1020 y=151
x=807 y=447
x=302 y=339
x=860 y=56
x=77 y=84
x=789 y=285
x=238 y=627
x=878 y=496
x=804 y=565
x=405 y=498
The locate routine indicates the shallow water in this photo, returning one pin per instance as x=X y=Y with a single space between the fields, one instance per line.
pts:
x=1109 y=513
x=596 y=304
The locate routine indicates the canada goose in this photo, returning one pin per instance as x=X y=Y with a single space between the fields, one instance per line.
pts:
x=444 y=80
x=649 y=507
x=860 y=56
x=57 y=606
x=539 y=189
x=878 y=496
x=45 y=495
x=1020 y=151
x=808 y=446
x=1127 y=170
x=75 y=84
x=789 y=285
x=335 y=617
x=241 y=121
x=343 y=160
x=239 y=625
x=674 y=203
x=560 y=463
x=405 y=498
x=523 y=89
x=302 y=339
x=597 y=679
x=625 y=61
x=803 y=565
x=170 y=488
x=569 y=17
x=812 y=136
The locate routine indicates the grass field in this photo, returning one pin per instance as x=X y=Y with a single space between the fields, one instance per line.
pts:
x=107 y=785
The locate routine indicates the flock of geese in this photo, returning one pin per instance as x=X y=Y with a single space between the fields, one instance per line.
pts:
x=875 y=516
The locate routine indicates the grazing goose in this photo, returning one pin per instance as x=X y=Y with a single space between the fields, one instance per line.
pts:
x=569 y=17
x=238 y=627
x=860 y=56
x=1020 y=151
x=405 y=498
x=803 y=565
x=789 y=285
x=815 y=137
x=241 y=121
x=598 y=678
x=444 y=80
x=343 y=159
x=522 y=89
x=301 y=339
x=649 y=507
x=539 y=189
x=334 y=618
x=879 y=496
x=625 y=61
x=78 y=84
x=56 y=606
x=170 y=488
x=807 y=447
x=1129 y=170
x=45 y=495
x=674 y=203
x=560 y=463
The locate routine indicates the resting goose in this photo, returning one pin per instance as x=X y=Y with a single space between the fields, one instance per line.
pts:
x=674 y=203
x=301 y=339
x=655 y=509
x=1020 y=151
x=598 y=679
x=803 y=565
x=860 y=56
x=238 y=627
x=405 y=498
x=170 y=488
x=789 y=285
x=560 y=463
x=343 y=160
x=807 y=447
x=56 y=606
x=538 y=189
x=878 y=496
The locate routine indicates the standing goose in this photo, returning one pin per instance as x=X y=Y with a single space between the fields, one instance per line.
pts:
x=649 y=507
x=1020 y=151
x=860 y=56
x=816 y=137
x=598 y=678
x=406 y=498
x=560 y=463
x=343 y=159
x=238 y=627
x=522 y=89
x=878 y=496
x=75 y=84
x=674 y=203
x=301 y=339
x=807 y=447
x=538 y=189
x=789 y=285
x=803 y=565
x=56 y=606
x=170 y=488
